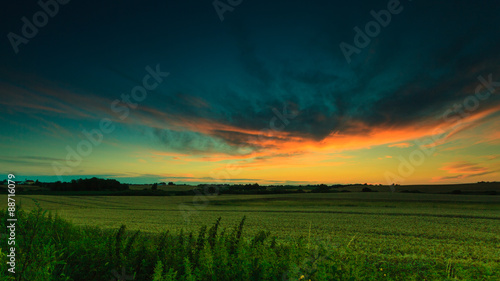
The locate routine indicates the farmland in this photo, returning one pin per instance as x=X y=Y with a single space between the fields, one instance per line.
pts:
x=451 y=235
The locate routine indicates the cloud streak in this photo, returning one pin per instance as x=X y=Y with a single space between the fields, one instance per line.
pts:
x=463 y=170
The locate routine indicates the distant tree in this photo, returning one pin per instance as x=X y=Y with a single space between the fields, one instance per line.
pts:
x=171 y=183
x=58 y=186
x=322 y=188
x=366 y=189
x=154 y=186
x=93 y=184
x=212 y=189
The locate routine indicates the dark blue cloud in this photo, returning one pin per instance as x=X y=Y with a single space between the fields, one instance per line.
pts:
x=263 y=55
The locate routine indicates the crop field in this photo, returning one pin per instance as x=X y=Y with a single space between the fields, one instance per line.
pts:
x=405 y=232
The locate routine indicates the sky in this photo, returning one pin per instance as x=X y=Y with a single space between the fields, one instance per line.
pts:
x=239 y=91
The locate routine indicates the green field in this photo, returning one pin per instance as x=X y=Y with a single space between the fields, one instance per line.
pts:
x=406 y=236
x=458 y=235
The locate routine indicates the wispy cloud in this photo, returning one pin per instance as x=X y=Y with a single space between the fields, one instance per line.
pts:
x=463 y=170
x=29 y=160
x=401 y=145
x=386 y=157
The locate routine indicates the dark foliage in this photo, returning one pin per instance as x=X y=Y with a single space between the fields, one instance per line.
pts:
x=93 y=184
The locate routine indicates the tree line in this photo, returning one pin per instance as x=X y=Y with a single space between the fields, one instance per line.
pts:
x=92 y=184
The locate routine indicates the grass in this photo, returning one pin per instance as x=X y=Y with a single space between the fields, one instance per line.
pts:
x=343 y=235
x=53 y=249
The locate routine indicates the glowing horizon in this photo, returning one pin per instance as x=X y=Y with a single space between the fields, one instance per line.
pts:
x=269 y=99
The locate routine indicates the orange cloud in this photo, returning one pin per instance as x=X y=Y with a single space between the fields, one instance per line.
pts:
x=401 y=145
x=462 y=170
x=463 y=167
x=386 y=157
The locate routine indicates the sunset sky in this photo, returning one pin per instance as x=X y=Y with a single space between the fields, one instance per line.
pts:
x=265 y=95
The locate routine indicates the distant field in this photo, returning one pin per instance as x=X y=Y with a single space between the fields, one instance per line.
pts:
x=24 y=187
x=286 y=215
x=426 y=188
x=162 y=187
x=469 y=188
